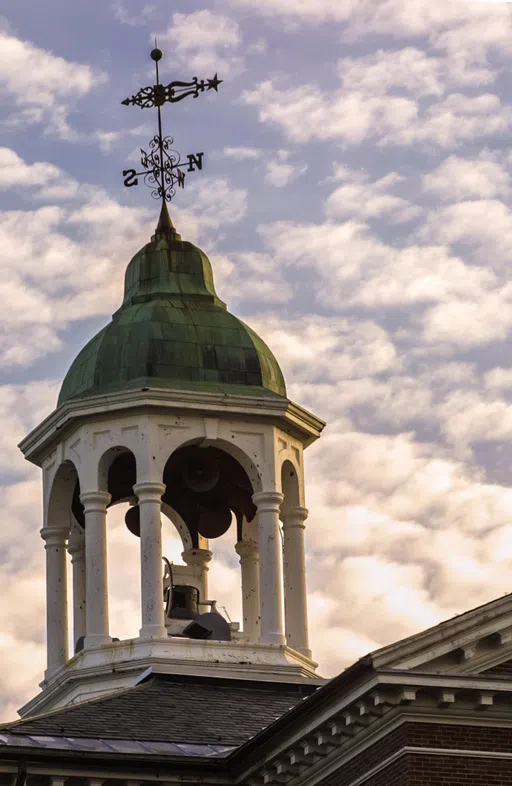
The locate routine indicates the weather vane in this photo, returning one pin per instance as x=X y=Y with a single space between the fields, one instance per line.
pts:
x=162 y=167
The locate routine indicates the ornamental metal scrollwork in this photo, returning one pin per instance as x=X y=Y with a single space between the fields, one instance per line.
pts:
x=162 y=168
x=157 y=95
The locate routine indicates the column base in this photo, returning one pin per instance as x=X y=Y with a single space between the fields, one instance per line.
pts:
x=153 y=632
x=273 y=638
x=97 y=640
x=303 y=651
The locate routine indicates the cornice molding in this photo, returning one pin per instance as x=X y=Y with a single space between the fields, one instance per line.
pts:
x=280 y=410
x=358 y=720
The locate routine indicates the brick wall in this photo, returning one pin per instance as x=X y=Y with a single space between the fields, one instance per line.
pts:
x=435 y=770
x=417 y=770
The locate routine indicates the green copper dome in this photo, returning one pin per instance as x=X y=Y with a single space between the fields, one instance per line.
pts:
x=172 y=331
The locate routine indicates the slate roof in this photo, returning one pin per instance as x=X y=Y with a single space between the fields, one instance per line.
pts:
x=169 y=708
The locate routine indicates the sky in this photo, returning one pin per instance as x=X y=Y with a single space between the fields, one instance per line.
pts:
x=355 y=203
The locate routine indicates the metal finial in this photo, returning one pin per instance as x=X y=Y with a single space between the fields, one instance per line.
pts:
x=162 y=166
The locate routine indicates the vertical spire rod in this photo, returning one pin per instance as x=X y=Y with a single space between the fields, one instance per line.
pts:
x=156 y=54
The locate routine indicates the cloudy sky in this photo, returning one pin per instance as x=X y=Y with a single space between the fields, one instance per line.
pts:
x=355 y=203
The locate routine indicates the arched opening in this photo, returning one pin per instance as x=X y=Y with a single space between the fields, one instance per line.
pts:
x=124 y=585
x=289 y=486
x=64 y=620
x=61 y=498
x=294 y=568
x=208 y=496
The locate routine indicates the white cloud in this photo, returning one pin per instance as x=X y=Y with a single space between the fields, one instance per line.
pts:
x=44 y=248
x=454 y=120
x=305 y=113
x=280 y=172
x=249 y=276
x=351 y=116
x=16 y=172
x=366 y=200
x=204 y=41
x=467 y=323
x=483 y=226
x=372 y=272
x=458 y=179
x=319 y=349
x=469 y=31
x=242 y=153
x=411 y=70
x=42 y=85
x=134 y=18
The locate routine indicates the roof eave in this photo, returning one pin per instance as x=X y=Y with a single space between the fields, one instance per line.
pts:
x=289 y=415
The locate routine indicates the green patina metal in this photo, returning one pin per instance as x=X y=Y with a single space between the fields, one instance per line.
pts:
x=172 y=331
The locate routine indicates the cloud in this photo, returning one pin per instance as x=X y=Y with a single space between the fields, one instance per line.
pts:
x=42 y=86
x=131 y=18
x=469 y=30
x=371 y=200
x=44 y=247
x=319 y=349
x=411 y=70
x=305 y=113
x=458 y=179
x=249 y=276
x=280 y=172
x=483 y=227
x=373 y=273
x=204 y=41
x=242 y=153
x=352 y=116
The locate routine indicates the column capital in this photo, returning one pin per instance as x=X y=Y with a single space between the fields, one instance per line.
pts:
x=149 y=491
x=196 y=556
x=268 y=500
x=95 y=501
x=294 y=517
x=54 y=537
x=246 y=549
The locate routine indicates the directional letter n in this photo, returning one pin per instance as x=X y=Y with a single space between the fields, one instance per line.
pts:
x=195 y=161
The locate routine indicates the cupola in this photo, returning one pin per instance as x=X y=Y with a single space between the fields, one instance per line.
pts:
x=173 y=331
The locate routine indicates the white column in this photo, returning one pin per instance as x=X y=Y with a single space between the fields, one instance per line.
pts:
x=96 y=589
x=271 y=568
x=76 y=549
x=197 y=560
x=247 y=550
x=151 y=568
x=56 y=597
x=294 y=563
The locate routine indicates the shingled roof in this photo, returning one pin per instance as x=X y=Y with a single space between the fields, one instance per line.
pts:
x=171 y=708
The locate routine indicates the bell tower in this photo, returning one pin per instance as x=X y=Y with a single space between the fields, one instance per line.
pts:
x=178 y=408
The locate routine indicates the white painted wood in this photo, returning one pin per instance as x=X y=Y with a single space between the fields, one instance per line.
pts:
x=55 y=539
x=295 y=595
x=149 y=494
x=247 y=550
x=95 y=511
x=87 y=434
x=268 y=504
x=76 y=549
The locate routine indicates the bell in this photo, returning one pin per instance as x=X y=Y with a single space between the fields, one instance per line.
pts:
x=184 y=602
x=214 y=521
x=132 y=520
x=201 y=472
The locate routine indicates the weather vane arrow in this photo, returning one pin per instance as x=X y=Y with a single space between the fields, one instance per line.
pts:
x=162 y=168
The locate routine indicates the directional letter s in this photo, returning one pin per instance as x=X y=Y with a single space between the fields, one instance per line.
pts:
x=130 y=178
